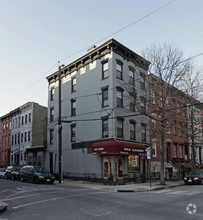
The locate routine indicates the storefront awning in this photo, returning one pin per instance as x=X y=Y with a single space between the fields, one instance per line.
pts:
x=118 y=147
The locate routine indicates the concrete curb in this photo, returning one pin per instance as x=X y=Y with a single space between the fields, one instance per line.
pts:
x=3 y=206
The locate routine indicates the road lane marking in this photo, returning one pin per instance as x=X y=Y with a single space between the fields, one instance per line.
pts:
x=53 y=199
x=33 y=203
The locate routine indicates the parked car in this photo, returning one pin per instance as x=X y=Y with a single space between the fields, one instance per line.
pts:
x=12 y=172
x=36 y=174
x=194 y=177
x=2 y=173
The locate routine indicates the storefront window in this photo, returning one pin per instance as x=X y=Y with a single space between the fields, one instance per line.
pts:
x=133 y=163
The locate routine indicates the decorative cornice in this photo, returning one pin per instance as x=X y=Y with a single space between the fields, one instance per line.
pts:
x=97 y=53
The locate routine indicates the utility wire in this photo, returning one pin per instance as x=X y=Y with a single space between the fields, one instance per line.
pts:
x=116 y=32
x=125 y=27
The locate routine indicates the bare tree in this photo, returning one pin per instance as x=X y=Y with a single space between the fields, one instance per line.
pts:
x=192 y=85
x=167 y=69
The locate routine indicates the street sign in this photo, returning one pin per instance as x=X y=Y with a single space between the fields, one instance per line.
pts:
x=148 y=149
x=148 y=155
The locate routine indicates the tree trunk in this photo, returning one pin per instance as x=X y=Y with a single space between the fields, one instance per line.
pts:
x=162 y=180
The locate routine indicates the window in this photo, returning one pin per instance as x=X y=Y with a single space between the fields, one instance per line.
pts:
x=133 y=163
x=73 y=130
x=186 y=130
x=51 y=114
x=25 y=137
x=105 y=97
x=21 y=137
x=152 y=97
x=18 y=138
x=120 y=128
x=131 y=76
x=168 y=127
x=9 y=125
x=154 y=148
x=143 y=132
x=142 y=105
x=52 y=91
x=28 y=138
x=153 y=124
x=25 y=119
x=132 y=130
x=179 y=108
x=105 y=67
x=119 y=96
x=175 y=128
x=73 y=84
x=175 y=150
x=29 y=117
x=22 y=120
x=180 y=129
x=51 y=136
x=119 y=70
x=173 y=104
x=142 y=81
x=133 y=97
x=105 y=127
x=9 y=140
x=181 y=151
x=73 y=107
x=5 y=140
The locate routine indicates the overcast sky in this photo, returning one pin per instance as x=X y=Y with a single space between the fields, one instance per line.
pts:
x=35 y=34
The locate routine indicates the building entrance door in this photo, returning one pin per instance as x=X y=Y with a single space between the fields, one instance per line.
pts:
x=119 y=168
x=106 y=167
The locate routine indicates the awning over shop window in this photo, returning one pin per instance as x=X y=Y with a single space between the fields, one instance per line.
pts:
x=118 y=147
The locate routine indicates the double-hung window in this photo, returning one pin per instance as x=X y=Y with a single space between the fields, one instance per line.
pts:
x=73 y=132
x=131 y=76
x=132 y=130
x=142 y=105
x=105 y=97
x=119 y=70
x=143 y=132
x=119 y=96
x=73 y=107
x=105 y=67
x=52 y=91
x=105 y=127
x=142 y=81
x=51 y=136
x=51 y=114
x=73 y=84
x=120 y=127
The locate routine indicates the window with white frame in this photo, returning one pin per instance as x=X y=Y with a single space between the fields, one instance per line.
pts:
x=105 y=97
x=154 y=149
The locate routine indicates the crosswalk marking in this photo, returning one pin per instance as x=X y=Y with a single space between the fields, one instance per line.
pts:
x=174 y=192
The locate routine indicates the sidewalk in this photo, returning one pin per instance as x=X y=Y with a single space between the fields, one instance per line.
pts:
x=129 y=187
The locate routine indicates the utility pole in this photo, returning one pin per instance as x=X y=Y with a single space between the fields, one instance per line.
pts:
x=59 y=128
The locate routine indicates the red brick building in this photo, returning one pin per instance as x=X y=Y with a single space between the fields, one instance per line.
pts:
x=5 y=140
x=168 y=109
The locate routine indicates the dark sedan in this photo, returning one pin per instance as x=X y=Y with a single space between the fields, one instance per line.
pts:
x=36 y=174
x=195 y=177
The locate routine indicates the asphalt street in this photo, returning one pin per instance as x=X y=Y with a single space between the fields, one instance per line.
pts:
x=31 y=201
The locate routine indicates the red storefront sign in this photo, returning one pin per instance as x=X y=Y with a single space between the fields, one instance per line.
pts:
x=118 y=147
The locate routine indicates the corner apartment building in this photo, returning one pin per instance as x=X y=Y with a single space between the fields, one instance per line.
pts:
x=102 y=129
x=28 y=134
x=5 y=140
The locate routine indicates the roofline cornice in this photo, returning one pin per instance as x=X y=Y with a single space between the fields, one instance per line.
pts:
x=98 y=52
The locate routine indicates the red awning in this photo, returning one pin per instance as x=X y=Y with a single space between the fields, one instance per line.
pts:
x=118 y=147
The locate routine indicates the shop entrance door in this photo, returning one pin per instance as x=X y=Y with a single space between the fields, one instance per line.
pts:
x=106 y=168
x=119 y=168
